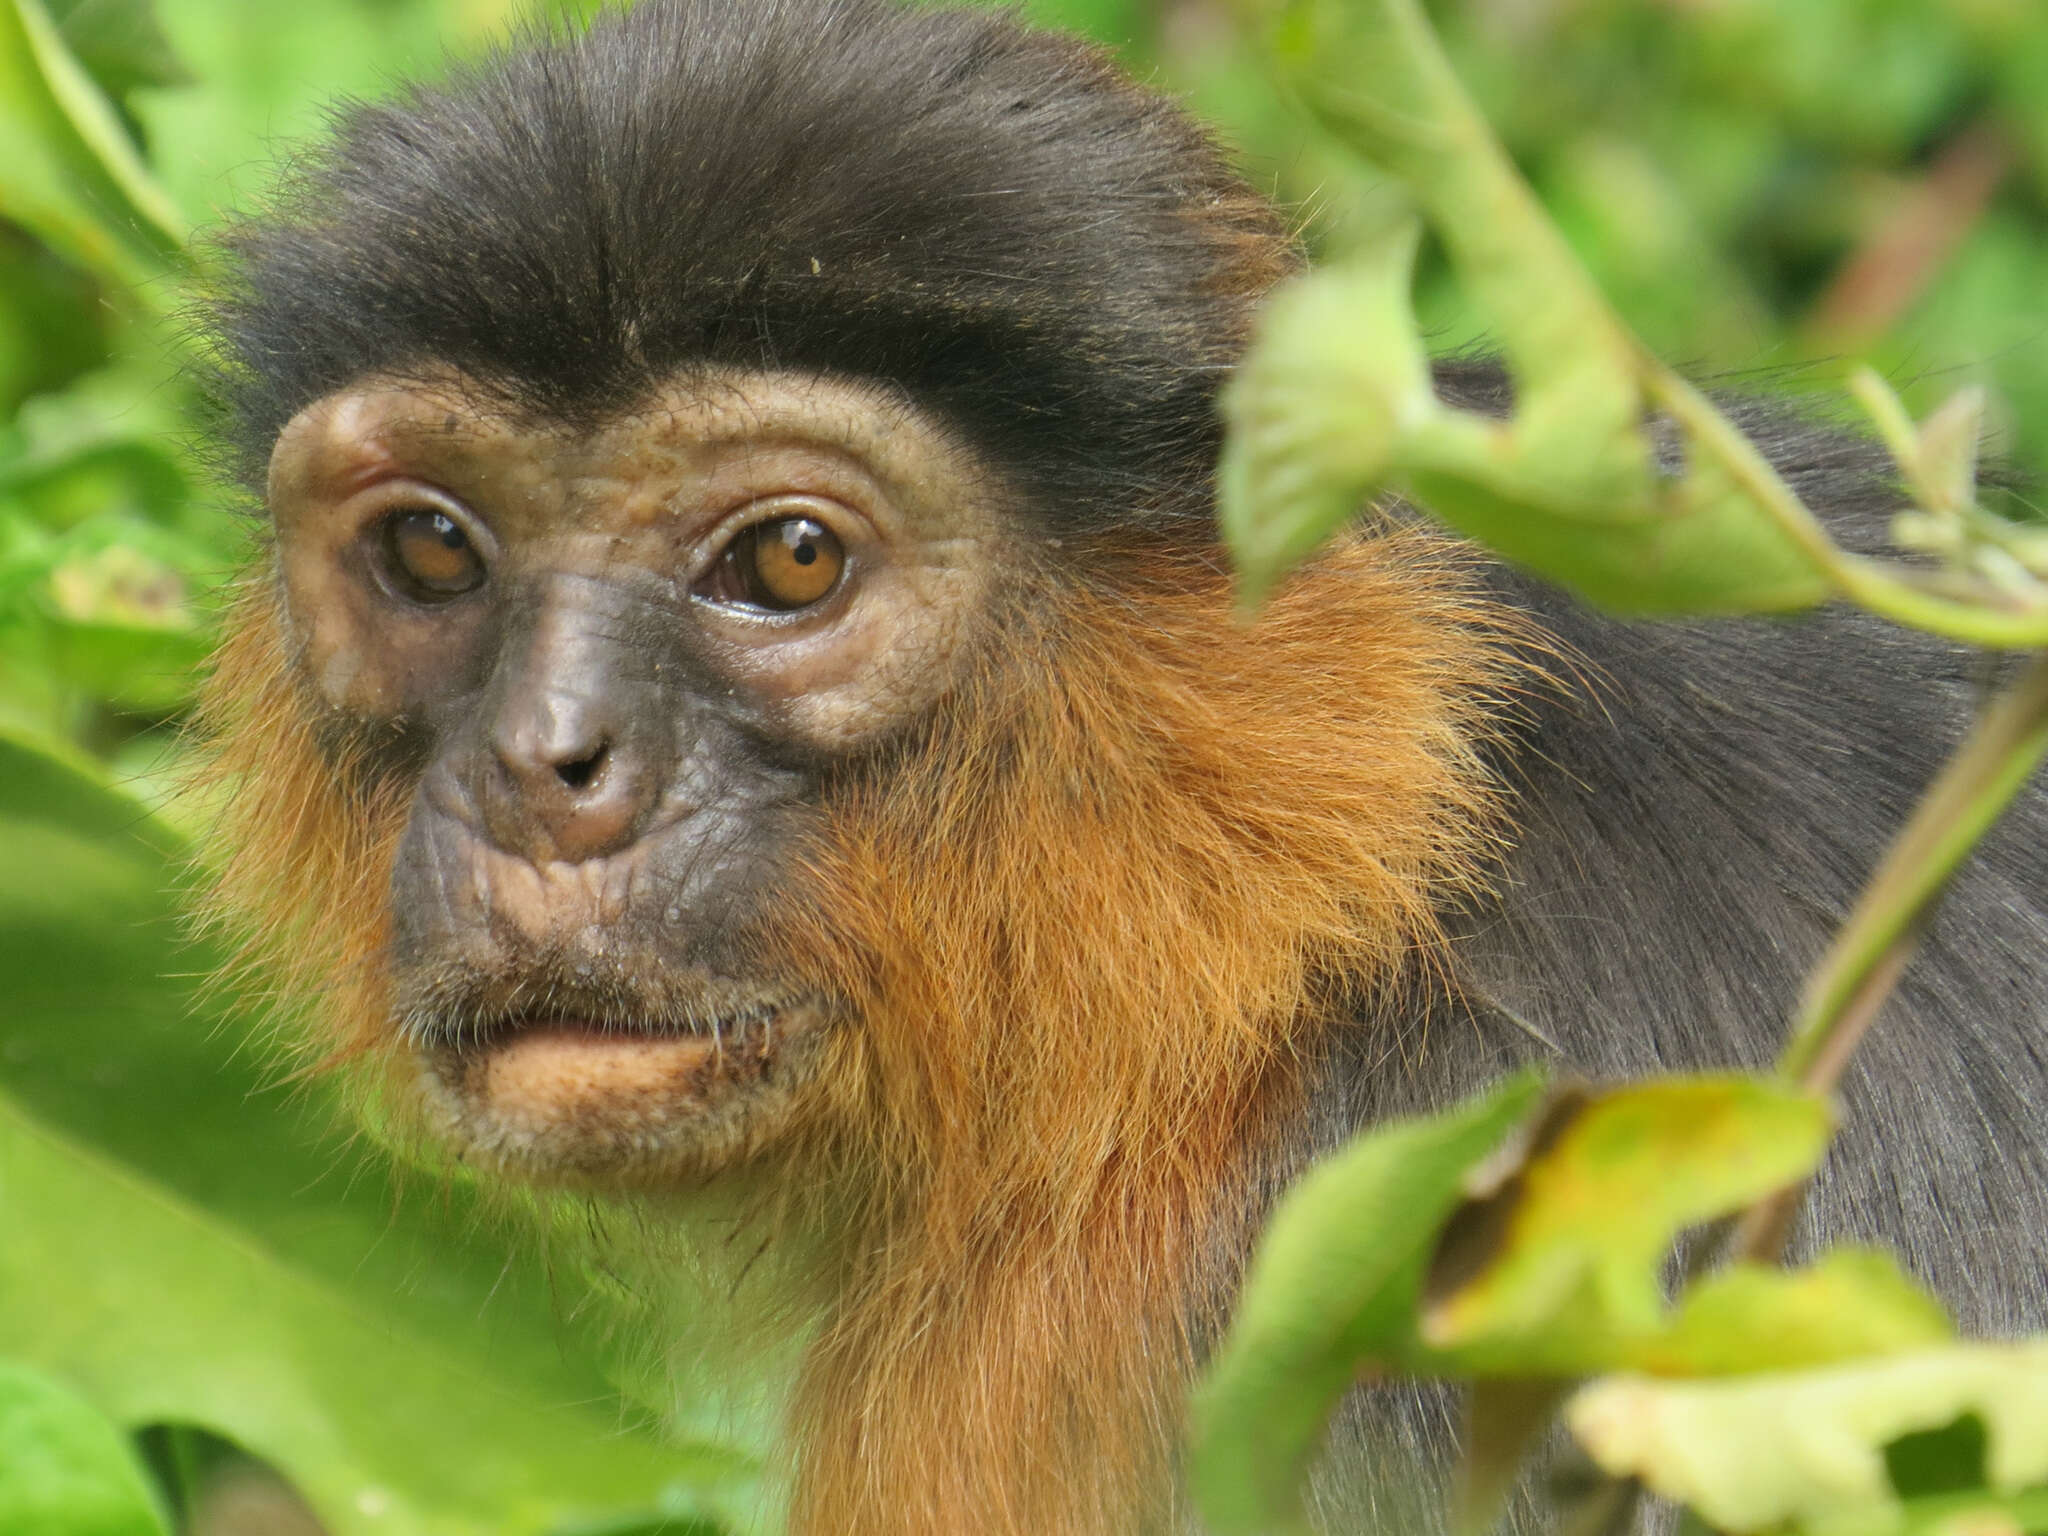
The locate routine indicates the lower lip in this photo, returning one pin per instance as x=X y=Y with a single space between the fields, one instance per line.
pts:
x=564 y=1063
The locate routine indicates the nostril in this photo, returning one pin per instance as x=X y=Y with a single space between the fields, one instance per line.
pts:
x=583 y=772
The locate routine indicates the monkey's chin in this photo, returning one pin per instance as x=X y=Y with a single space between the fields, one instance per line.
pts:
x=563 y=1102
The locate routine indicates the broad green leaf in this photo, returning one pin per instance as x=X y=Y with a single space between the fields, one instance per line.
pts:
x=1585 y=1225
x=1415 y=1251
x=113 y=1037
x=122 y=474
x=1808 y=1450
x=110 y=1044
x=64 y=1469
x=68 y=170
x=163 y=1316
x=120 y=43
x=1333 y=1285
x=149 y=668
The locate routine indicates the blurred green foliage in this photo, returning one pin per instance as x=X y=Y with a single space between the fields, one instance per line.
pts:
x=1757 y=185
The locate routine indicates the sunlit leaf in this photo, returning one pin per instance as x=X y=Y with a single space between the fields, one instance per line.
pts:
x=1808 y=1450
x=1574 y=1275
x=1847 y=1305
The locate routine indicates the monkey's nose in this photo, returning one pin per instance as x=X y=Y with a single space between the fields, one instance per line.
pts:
x=562 y=788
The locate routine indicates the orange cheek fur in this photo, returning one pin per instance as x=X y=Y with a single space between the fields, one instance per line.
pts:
x=1085 y=935
x=299 y=861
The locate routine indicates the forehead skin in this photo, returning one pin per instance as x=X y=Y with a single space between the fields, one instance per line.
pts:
x=647 y=500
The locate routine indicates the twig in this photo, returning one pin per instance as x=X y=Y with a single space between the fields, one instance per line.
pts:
x=1911 y=245
x=2001 y=753
x=1851 y=985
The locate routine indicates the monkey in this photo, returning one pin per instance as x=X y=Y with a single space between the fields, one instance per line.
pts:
x=739 y=716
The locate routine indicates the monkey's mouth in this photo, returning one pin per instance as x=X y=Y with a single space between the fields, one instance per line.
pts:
x=480 y=1031
x=569 y=1093
x=570 y=1060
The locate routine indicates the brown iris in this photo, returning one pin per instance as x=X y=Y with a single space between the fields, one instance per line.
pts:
x=430 y=557
x=782 y=564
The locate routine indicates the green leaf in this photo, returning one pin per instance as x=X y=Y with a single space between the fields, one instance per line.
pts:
x=127 y=474
x=68 y=170
x=163 y=1315
x=120 y=43
x=1573 y=1284
x=1319 y=409
x=1372 y=72
x=1414 y=1250
x=64 y=1469
x=1948 y=1460
x=181 y=1240
x=1333 y=1284
x=1809 y=1449
x=1334 y=406
x=148 y=668
x=1849 y=1304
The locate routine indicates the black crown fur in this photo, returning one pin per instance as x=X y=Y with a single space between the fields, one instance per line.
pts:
x=1053 y=259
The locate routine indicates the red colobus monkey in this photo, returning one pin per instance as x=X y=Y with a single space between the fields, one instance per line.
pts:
x=742 y=713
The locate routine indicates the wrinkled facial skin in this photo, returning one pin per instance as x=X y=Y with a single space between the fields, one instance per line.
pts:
x=619 y=746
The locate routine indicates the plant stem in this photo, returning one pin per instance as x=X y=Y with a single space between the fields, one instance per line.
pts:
x=2000 y=754
x=1990 y=620
x=1851 y=985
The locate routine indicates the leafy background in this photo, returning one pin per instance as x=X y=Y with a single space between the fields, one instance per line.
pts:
x=189 y=1254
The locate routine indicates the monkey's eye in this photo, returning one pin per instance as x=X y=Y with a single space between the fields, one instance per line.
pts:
x=429 y=556
x=783 y=564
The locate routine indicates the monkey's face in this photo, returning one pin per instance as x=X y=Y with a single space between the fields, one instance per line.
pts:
x=617 y=667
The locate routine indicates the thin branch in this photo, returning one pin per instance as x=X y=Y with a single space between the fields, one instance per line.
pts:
x=1849 y=988
x=1994 y=763
x=1911 y=245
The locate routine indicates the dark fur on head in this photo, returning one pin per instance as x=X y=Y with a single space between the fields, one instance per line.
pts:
x=833 y=187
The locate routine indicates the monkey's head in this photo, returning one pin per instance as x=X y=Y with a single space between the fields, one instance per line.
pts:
x=743 y=659
x=617 y=663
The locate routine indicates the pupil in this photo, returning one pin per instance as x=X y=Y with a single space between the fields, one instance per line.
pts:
x=446 y=531
x=805 y=554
